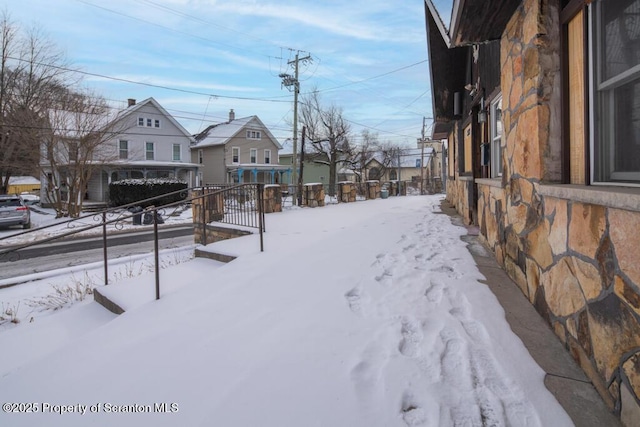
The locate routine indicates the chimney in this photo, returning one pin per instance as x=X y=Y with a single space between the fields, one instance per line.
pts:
x=232 y=115
x=131 y=102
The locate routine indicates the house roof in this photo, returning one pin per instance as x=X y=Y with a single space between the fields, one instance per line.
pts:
x=220 y=134
x=472 y=22
x=476 y=21
x=408 y=157
x=23 y=180
x=132 y=109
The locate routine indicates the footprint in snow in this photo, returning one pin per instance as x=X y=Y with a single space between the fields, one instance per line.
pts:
x=354 y=299
x=434 y=292
x=412 y=336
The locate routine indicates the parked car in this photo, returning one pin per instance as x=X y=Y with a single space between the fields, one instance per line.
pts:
x=30 y=199
x=14 y=211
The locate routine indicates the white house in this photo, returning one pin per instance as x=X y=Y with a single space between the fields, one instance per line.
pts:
x=148 y=143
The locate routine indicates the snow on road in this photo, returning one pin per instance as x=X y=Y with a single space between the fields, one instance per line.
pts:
x=362 y=314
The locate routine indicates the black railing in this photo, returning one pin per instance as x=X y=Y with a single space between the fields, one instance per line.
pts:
x=240 y=204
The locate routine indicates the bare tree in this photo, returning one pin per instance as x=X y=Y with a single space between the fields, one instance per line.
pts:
x=74 y=147
x=328 y=133
x=361 y=154
x=32 y=73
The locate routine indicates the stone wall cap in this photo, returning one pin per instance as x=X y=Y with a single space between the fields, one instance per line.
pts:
x=271 y=185
x=627 y=198
x=490 y=182
x=313 y=183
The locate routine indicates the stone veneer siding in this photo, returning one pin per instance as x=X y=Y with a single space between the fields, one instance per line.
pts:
x=577 y=262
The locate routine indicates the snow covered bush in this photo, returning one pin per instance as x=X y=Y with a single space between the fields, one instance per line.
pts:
x=129 y=191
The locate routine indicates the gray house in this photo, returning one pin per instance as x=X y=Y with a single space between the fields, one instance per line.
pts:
x=240 y=150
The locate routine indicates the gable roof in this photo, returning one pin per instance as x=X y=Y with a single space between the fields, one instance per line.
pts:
x=132 y=109
x=221 y=133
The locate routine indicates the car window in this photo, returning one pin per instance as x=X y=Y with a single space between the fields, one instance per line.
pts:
x=9 y=202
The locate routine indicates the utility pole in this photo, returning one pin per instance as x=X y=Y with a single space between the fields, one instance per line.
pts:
x=424 y=119
x=304 y=131
x=292 y=81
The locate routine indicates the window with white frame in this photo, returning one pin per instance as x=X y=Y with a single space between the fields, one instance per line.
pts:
x=149 y=122
x=616 y=113
x=177 y=152
x=254 y=134
x=253 y=155
x=150 y=151
x=267 y=157
x=235 y=155
x=496 y=137
x=123 y=147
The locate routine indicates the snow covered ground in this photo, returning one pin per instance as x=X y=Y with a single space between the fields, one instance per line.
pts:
x=362 y=314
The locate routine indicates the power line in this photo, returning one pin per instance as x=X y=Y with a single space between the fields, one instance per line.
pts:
x=119 y=79
x=155 y=24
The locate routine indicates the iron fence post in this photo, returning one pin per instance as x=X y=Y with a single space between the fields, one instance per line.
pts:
x=104 y=248
x=155 y=249
x=261 y=214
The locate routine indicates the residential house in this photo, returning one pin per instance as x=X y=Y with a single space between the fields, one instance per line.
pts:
x=541 y=110
x=407 y=165
x=240 y=150
x=148 y=143
x=314 y=170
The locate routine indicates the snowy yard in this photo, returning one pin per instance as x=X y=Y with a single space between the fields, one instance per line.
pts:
x=361 y=314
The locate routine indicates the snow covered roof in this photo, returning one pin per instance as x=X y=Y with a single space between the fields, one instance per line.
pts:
x=19 y=180
x=220 y=134
x=133 y=108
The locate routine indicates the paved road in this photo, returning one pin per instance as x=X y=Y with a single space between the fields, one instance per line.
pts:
x=74 y=252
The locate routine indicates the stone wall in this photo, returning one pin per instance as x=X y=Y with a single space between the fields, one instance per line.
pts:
x=215 y=233
x=272 y=198
x=577 y=262
x=347 y=192
x=373 y=189
x=458 y=195
x=209 y=208
x=313 y=195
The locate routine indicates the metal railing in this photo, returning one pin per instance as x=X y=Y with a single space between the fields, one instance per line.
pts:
x=242 y=204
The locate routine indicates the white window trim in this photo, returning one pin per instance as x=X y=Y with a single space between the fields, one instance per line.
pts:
x=253 y=155
x=596 y=59
x=121 y=150
x=496 y=142
x=148 y=122
x=233 y=149
x=267 y=157
x=254 y=134
x=173 y=147
x=146 y=151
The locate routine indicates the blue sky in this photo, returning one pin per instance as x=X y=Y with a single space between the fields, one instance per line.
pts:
x=369 y=57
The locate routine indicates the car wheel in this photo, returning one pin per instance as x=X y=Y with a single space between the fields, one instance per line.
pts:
x=26 y=226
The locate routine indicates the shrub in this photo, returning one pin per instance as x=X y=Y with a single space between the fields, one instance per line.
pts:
x=133 y=190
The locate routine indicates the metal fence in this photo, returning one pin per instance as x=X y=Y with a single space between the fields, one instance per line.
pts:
x=240 y=204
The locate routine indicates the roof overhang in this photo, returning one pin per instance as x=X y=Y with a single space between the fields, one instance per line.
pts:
x=472 y=22
x=447 y=71
x=480 y=21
